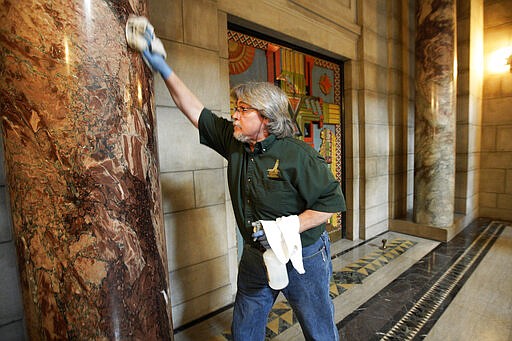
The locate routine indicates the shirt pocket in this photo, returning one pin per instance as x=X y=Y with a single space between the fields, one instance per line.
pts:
x=277 y=198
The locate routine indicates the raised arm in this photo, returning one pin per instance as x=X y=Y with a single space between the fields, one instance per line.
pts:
x=185 y=100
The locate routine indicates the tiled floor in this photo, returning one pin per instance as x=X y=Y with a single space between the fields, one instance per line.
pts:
x=413 y=289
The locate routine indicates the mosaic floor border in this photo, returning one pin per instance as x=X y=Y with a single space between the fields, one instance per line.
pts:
x=281 y=316
x=409 y=306
x=444 y=288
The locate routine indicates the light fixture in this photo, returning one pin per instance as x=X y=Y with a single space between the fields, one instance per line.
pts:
x=500 y=61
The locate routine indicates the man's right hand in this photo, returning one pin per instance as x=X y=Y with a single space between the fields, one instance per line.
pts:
x=261 y=237
x=157 y=63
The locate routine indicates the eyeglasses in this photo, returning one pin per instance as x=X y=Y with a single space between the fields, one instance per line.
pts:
x=242 y=110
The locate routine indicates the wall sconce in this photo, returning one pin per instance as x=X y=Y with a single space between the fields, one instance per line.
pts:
x=500 y=61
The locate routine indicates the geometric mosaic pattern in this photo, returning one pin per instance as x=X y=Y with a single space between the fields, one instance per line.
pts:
x=281 y=316
x=356 y=272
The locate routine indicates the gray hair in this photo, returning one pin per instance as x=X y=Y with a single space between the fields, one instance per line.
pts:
x=271 y=102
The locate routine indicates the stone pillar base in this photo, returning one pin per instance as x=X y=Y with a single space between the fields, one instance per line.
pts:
x=442 y=234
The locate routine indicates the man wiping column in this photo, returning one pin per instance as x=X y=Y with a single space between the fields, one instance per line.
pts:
x=277 y=182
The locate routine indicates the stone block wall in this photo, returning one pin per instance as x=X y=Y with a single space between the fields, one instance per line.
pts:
x=11 y=306
x=496 y=160
x=386 y=112
x=469 y=106
x=201 y=237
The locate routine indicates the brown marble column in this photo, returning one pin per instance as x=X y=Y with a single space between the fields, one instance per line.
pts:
x=78 y=121
x=435 y=113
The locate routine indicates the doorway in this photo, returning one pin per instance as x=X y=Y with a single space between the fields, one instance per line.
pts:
x=313 y=84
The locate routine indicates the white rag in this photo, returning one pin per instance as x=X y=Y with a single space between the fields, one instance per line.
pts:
x=140 y=35
x=284 y=239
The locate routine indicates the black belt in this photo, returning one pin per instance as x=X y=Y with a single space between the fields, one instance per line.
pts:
x=257 y=246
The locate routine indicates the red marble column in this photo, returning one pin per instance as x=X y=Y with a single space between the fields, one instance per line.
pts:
x=78 y=120
x=435 y=113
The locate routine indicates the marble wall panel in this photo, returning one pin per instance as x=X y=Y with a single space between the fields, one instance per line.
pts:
x=376 y=190
x=376 y=108
x=375 y=48
x=492 y=86
x=489 y=142
x=203 y=34
x=199 y=69
x=209 y=187
x=475 y=111
x=5 y=217
x=336 y=11
x=497 y=13
x=474 y=162
x=506 y=86
x=352 y=197
x=80 y=147
x=199 y=279
x=462 y=163
x=11 y=308
x=13 y=331
x=372 y=230
x=377 y=140
x=463 y=53
x=493 y=180
x=233 y=258
x=179 y=147
x=197 y=52
x=497 y=160
x=2 y=161
x=280 y=18
x=463 y=79
x=497 y=110
x=462 y=138
x=504 y=138
x=462 y=109
x=201 y=306
x=497 y=37
x=195 y=236
x=497 y=213
x=504 y=201
x=461 y=189
x=375 y=17
x=222 y=22
x=167 y=19
x=375 y=78
x=351 y=70
x=177 y=191
x=231 y=226
x=224 y=88
x=508 y=182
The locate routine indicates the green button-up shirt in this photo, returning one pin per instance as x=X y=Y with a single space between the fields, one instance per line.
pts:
x=281 y=177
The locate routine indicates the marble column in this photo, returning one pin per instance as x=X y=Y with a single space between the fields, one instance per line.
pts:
x=435 y=113
x=78 y=120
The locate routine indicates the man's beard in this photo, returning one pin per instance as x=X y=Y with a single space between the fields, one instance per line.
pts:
x=241 y=137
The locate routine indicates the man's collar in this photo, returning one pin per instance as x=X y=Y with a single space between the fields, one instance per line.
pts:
x=262 y=146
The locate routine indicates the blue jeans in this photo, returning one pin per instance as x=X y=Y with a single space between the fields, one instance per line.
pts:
x=307 y=294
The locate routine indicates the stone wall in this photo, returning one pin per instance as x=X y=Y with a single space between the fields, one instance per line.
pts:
x=469 y=106
x=385 y=112
x=200 y=227
x=11 y=306
x=496 y=163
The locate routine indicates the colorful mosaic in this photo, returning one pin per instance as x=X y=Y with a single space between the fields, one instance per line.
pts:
x=313 y=85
